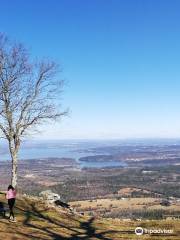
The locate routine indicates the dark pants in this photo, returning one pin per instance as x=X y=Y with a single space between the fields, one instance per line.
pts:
x=11 y=203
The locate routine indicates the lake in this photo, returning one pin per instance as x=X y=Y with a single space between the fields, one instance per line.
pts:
x=59 y=149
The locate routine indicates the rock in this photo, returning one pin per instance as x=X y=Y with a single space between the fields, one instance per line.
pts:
x=49 y=196
x=53 y=201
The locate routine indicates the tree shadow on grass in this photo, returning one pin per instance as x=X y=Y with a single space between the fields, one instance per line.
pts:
x=49 y=227
x=91 y=232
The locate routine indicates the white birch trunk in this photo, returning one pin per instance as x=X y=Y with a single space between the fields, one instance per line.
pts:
x=14 y=169
x=13 y=151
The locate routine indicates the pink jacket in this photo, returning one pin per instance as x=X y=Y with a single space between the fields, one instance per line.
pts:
x=11 y=194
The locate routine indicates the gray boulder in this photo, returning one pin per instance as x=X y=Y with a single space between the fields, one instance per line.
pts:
x=49 y=196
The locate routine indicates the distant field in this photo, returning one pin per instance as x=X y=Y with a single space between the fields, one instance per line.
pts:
x=127 y=207
x=125 y=203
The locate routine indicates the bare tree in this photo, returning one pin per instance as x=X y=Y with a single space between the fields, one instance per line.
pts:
x=29 y=95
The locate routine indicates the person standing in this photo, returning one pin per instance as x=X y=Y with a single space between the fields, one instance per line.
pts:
x=11 y=197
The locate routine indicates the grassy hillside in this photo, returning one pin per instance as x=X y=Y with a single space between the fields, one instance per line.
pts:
x=37 y=221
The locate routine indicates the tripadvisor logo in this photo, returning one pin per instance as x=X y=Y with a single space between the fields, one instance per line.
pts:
x=139 y=231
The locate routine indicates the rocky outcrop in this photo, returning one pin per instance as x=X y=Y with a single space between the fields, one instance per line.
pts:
x=49 y=196
x=54 y=200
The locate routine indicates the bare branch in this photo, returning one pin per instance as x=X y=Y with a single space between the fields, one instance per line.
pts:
x=29 y=92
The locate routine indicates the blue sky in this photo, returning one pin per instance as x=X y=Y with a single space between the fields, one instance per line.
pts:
x=121 y=59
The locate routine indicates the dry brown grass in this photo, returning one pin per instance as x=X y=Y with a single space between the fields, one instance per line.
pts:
x=129 y=190
x=126 y=203
x=36 y=221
